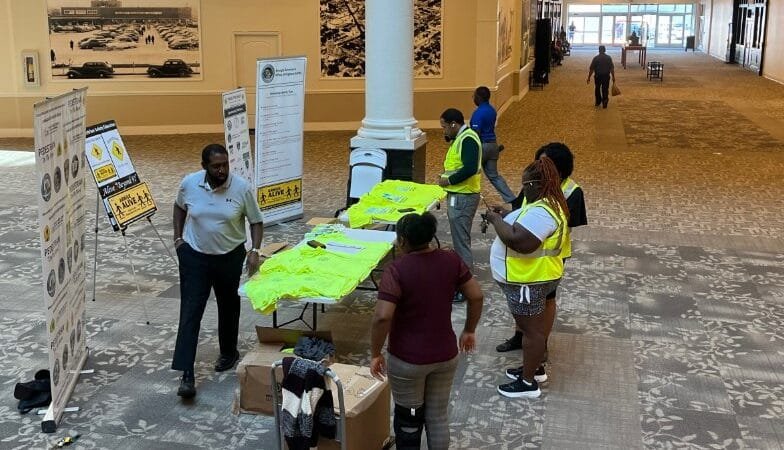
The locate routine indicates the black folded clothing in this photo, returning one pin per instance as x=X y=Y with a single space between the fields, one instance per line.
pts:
x=34 y=394
x=29 y=389
x=314 y=349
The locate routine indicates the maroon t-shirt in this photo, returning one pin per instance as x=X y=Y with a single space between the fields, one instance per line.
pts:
x=422 y=286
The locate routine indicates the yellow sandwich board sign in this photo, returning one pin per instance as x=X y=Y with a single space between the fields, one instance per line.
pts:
x=132 y=204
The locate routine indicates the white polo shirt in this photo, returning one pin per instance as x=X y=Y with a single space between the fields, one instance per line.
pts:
x=215 y=223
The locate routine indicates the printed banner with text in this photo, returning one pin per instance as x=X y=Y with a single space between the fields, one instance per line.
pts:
x=125 y=198
x=235 y=127
x=280 y=113
x=60 y=166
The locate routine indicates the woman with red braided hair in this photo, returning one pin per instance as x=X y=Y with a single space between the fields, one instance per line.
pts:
x=525 y=260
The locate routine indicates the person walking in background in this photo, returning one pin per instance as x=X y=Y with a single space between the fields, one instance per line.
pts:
x=72 y=44
x=209 y=237
x=52 y=55
x=415 y=307
x=525 y=260
x=461 y=180
x=483 y=122
x=602 y=69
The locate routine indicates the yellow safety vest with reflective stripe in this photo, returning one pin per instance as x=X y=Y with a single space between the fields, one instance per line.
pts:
x=568 y=186
x=454 y=162
x=544 y=263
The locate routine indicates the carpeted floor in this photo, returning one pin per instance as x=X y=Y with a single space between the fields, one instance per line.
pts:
x=670 y=314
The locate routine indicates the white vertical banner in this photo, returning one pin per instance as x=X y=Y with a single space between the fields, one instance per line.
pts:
x=280 y=115
x=235 y=127
x=59 y=127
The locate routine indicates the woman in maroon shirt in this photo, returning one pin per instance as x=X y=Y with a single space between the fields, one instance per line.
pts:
x=415 y=309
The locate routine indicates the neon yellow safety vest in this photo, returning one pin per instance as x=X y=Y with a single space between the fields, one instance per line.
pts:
x=544 y=263
x=454 y=162
x=568 y=186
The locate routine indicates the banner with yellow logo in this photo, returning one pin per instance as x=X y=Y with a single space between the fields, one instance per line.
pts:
x=58 y=125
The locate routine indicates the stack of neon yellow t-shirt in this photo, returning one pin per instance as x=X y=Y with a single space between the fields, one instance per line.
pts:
x=306 y=272
x=385 y=201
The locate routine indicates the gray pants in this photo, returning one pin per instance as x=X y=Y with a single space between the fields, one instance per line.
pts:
x=460 y=211
x=490 y=155
x=415 y=385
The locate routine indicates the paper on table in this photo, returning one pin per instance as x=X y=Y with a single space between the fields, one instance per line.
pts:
x=344 y=248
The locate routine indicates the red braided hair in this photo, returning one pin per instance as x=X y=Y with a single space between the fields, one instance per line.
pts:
x=550 y=185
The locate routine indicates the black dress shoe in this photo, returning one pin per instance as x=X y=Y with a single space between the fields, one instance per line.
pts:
x=187 y=387
x=226 y=362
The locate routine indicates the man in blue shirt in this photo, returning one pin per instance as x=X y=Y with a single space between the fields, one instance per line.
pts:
x=483 y=122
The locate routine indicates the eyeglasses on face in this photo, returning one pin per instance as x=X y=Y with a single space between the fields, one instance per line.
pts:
x=530 y=182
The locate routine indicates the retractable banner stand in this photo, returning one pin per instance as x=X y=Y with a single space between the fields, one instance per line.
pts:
x=60 y=166
x=125 y=198
x=235 y=126
x=280 y=113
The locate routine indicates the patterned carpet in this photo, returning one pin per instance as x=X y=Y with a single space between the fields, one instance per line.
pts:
x=669 y=328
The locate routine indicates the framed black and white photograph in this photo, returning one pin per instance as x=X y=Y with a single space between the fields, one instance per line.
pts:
x=505 y=22
x=343 y=38
x=124 y=39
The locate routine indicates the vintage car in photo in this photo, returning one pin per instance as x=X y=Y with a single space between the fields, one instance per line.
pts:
x=91 y=70
x=170 y=68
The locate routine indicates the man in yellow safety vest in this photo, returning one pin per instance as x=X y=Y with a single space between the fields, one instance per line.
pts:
x=461 y=180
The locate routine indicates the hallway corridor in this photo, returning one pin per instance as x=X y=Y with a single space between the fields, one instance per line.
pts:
x=671 y=314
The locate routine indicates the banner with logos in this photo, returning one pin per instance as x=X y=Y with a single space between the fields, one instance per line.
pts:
x=235 y=127
x=59 y=127
x=125 y=198
x=280 y=115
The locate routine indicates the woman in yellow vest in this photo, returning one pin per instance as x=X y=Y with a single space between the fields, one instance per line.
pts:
x=563 y=158
x=525 y=260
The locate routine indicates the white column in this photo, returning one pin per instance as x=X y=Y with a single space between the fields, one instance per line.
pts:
x=389 y=73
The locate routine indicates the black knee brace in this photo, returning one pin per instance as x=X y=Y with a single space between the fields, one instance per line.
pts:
x=408 y=426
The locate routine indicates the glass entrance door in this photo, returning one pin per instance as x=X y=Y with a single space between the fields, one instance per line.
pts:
x=613 y=30
x=663 y=31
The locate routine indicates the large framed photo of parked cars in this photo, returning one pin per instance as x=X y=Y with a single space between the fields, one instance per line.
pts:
x=124 y=39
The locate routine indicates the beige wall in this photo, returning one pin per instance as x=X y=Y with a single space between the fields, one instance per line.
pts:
x=193 y=105
x=773 y=66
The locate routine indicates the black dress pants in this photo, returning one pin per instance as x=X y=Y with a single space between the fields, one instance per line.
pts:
x=199 y=273
x=602 y=88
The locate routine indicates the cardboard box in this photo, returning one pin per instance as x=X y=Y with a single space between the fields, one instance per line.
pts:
x=254 y=371
x=321 y=220
x=367 y=400
x=367 y=403
x=270 y=249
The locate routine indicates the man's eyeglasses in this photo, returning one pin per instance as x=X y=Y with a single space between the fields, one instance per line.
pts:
x=530 y=182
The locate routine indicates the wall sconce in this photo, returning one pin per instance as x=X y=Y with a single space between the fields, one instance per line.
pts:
x=32 y=74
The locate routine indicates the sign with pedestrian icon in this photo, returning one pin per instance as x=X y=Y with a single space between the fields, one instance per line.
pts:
x=117 y=150
x=114 y=174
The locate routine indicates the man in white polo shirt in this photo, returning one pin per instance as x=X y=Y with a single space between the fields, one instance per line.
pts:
x=209 y=235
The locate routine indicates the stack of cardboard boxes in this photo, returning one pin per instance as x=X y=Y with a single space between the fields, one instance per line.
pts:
x=367 y=400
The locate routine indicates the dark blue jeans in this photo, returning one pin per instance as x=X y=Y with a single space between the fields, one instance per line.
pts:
x=199 y=273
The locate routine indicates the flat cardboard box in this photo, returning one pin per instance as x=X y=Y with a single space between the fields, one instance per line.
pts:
x=254 y=371
x=321 y=221
x=272 y=248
